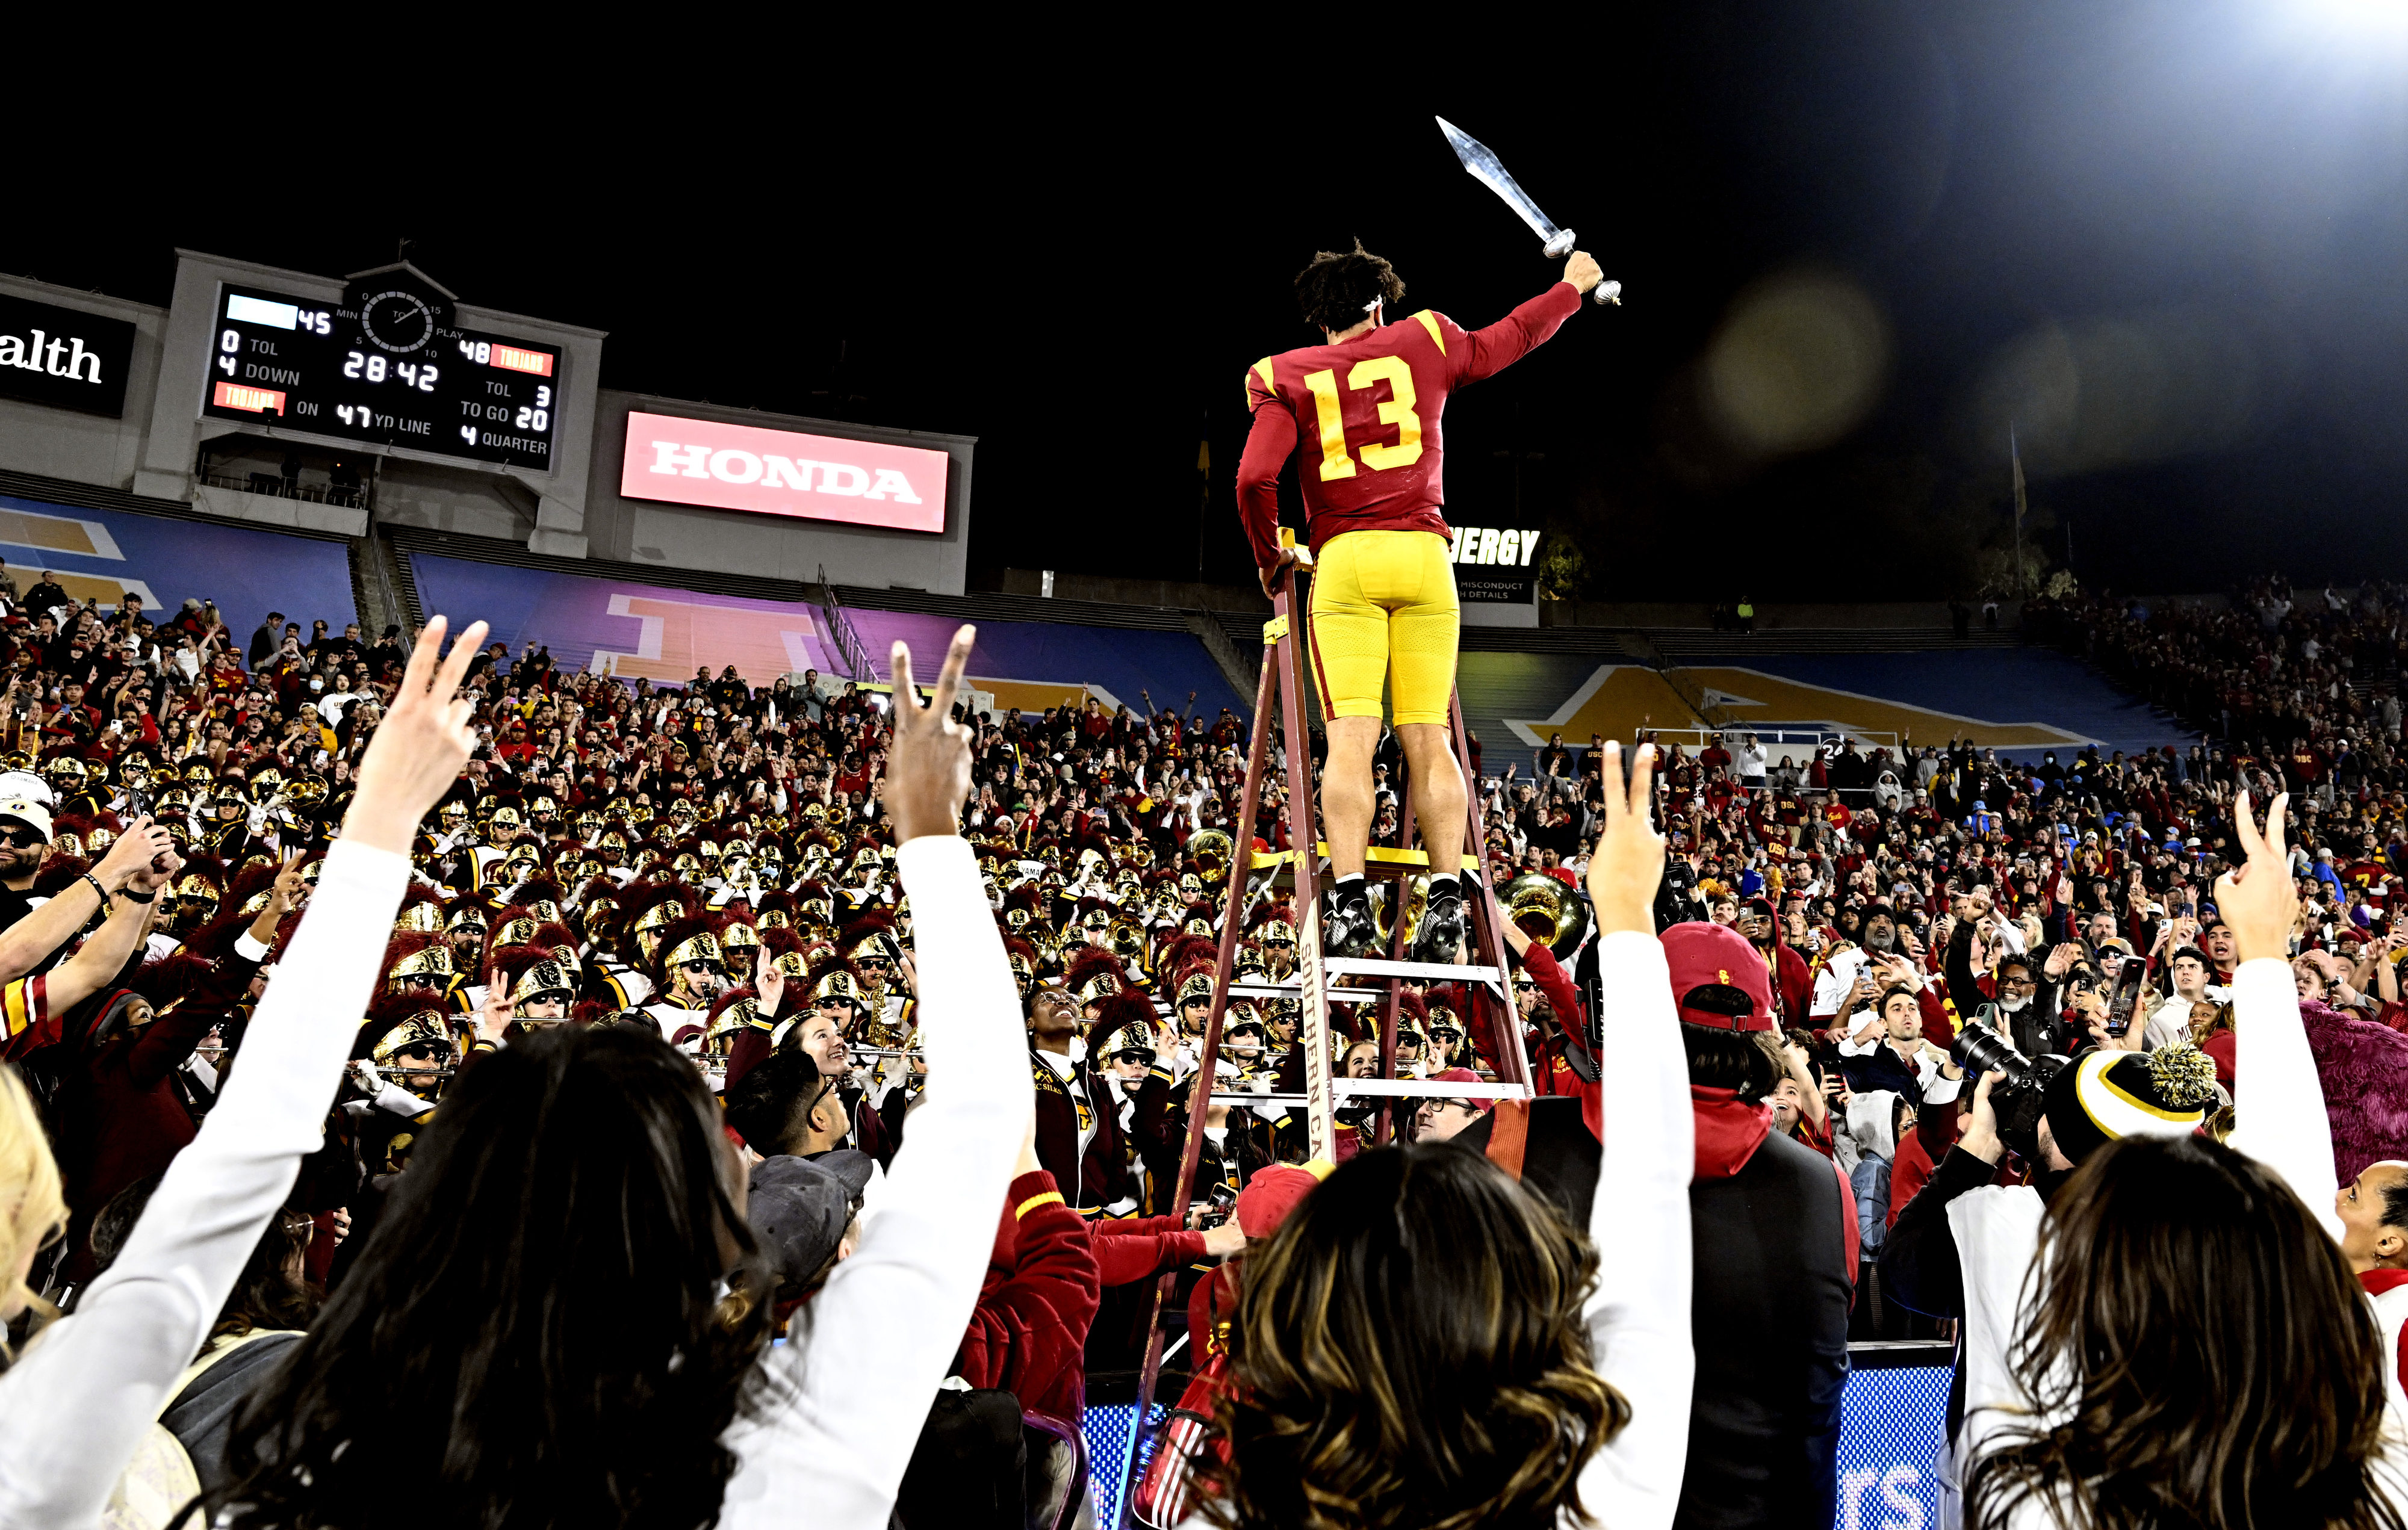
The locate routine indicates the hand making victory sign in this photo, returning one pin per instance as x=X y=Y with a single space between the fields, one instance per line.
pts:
x=928 y=765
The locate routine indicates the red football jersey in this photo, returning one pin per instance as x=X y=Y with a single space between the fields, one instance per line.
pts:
x=1366 y=416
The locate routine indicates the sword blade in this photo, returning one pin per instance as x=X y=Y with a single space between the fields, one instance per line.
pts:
x=1481 y=162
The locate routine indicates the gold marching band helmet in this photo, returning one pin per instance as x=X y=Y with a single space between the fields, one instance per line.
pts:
x=649 y=923
x=545 y=978
x=695 y=949
x=720 y=1038
x=413 y=970
x=516 y=932
x=426 y=1031
x=1137 y=1035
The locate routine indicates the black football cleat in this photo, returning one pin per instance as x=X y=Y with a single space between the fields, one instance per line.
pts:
x=1346 y=928
x=1439 y=935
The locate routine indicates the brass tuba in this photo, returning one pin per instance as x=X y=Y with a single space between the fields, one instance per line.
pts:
x=1548 y=911
x=302 y=792
x=1213 y=851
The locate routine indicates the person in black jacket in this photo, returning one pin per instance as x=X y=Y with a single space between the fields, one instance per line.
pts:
x=1773 y=1245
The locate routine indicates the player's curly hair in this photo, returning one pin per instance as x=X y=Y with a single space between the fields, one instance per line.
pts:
x=1337 y=290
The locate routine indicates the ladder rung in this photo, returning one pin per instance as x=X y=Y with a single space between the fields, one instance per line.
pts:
x=1218 y=1098
x=1380 y=967
x=1384 y=855
x=1427 y=1089
x=1291 y=990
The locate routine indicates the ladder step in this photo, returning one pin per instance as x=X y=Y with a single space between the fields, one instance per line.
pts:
x=1385 y=1088
x=1426 y=1089
x=1380 y=967
x=1290 y=990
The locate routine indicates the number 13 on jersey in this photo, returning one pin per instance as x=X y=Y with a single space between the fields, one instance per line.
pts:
x=1395 y=410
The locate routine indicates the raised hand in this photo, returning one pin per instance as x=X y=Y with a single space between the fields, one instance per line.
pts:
x=928 y=770
x=494 y=1015
x=142 y=843
x=768 y=983
x=420 y=746
x=1628 y=864
x=2257 y=899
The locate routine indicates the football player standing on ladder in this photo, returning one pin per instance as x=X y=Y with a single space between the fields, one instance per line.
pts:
x=1364 y=407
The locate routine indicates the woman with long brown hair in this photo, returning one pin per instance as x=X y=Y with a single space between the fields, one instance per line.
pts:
x=1425 y=1343
x=2189 y=1346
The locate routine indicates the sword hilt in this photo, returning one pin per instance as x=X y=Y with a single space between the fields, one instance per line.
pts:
x=1560 y=246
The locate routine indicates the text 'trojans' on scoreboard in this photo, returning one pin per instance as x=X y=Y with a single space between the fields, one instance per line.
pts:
x=384 y=375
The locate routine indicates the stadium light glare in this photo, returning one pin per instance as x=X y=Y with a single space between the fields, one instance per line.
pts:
x=2382 y=17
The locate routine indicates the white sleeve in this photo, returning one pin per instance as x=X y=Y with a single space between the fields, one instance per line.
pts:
x=1639 y=1315
x=845 y=1401
x=2279 y=1115
x=82 y=1401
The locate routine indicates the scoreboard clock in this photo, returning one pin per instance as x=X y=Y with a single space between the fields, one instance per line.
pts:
x=385 y=365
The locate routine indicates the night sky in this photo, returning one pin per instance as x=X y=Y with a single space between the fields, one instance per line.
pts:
x=2165 y=241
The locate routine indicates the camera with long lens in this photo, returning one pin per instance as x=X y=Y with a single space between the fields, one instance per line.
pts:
x=2019 y=1095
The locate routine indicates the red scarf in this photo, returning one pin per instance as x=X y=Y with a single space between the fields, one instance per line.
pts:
x=1728 y=1132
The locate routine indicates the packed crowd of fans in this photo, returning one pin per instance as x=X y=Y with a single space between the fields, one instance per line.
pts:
x=1900 y=979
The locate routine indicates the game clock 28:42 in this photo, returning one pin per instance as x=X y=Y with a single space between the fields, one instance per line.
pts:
x=386 y=370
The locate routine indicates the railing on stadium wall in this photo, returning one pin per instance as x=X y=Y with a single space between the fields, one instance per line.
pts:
x=1809 y=735
x=273 y=487
x=843 y=641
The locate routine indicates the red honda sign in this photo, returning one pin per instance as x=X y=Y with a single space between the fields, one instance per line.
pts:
x=783 y=472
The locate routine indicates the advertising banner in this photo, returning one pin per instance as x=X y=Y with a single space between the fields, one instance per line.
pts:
x=63 y=356
x=782 y=472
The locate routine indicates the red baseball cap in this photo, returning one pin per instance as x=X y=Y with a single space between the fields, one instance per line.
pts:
x=1704 y=955
x=1275 y=1190
x=1461 y=1076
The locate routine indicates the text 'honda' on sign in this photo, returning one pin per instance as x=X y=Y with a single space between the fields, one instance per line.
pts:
x=782 y=472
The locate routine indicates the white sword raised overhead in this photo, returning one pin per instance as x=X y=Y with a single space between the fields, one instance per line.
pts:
x=1479 y=159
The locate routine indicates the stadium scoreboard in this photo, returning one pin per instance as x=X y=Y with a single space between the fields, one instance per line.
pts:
x=384 y=364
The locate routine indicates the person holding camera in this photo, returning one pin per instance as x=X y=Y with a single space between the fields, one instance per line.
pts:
x=2132 y=1230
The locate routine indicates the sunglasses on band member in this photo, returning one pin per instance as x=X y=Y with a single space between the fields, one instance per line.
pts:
x=1144 y=1058
x=22 y=836
x=1525 y=985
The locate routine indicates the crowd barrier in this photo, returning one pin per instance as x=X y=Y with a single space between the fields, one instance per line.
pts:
x=1892 y=1420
